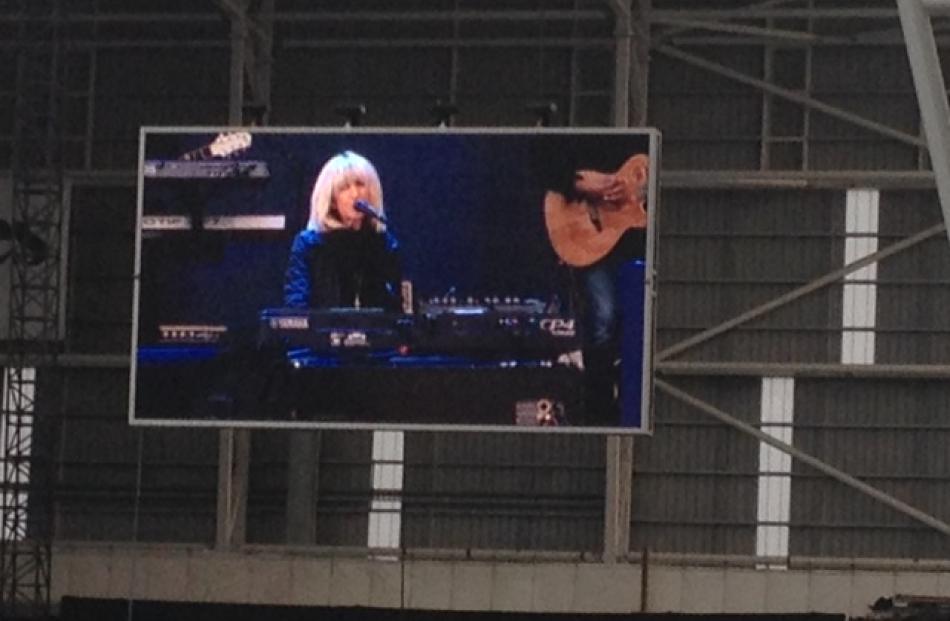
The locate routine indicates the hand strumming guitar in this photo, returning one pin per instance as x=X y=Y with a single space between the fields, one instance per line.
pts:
x=597 y=186
x=584 y=227
x=611 y=187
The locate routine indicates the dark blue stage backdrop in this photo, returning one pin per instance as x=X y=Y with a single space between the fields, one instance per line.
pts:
x=490 y=339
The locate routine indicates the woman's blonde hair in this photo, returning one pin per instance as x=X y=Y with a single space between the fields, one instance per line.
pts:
x=335 y=173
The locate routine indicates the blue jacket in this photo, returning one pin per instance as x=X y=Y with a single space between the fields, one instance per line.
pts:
x=335 y=268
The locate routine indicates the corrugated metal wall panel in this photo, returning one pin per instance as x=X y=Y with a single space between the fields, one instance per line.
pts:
x=344 y=488
x=725 y=252
x=99 y=278
x=135 y=88
x=504 y=491
x=837 y=145
x=913 y=294
x=267 y=487
x=695 y=479
x=697 y=135
x=874 y=83
x=397 y=89
x=593 y=88
x=866 y=69
x=893 y=435
x=98 y=493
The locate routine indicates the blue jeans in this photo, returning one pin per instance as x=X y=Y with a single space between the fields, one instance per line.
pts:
x=601 y=323
x=600 y=303
x=601 y=345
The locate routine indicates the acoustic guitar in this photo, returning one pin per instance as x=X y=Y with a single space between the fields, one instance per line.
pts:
x=583 y=231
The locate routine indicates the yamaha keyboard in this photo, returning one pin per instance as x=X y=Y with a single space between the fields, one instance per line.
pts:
x=334 y=330
x=463 y=364
x=476 y=331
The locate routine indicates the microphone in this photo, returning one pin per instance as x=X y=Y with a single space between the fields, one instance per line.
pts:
x=368 y=210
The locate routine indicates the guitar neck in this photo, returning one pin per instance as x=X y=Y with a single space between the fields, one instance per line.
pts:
x=223 y=145
x=203 y=153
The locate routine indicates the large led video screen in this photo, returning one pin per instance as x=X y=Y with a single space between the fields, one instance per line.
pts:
x=414 y=279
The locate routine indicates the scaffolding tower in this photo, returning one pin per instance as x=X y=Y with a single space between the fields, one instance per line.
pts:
x=34 y=334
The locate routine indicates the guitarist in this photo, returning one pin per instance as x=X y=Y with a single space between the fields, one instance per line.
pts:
x=591 y=182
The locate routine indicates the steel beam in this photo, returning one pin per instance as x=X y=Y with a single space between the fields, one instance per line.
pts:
x=239 y=45
x=791 y=95
x=258 y=64
x=806 y=458
x=799 y=292
x=234 y=445
x=618 y=497
x=640 y=62
x=238 y=10
x=797 y=180
x=234 y=455
x=931 y=90
x=631 y=61
x=623 y=38
x=747 y=13
x=934 y=7
x=395 y=16
x=629 y=96
x=791 y=36
x=303 y=486
x=452 y=42
x=803 y=369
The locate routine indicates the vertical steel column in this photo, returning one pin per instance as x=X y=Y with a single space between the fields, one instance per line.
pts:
x=234 y=445
x=631 y=72
x=640 y=63
x=251 y=44
x=252 y=41
x=623 y=41
x=239 y=44
x=303 y=486
x=631 y=64
x=765 y=144
x=37 y=167
x=809 y=82
x=234 y=456
x=259 y=64
x=618 y=497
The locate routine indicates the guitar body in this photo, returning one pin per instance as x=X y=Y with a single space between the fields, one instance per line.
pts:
x=584 y=231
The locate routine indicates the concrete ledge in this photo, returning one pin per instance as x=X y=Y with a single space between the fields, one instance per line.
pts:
x=314 y=577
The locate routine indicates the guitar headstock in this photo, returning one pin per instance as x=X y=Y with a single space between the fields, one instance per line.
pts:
x=229 y=144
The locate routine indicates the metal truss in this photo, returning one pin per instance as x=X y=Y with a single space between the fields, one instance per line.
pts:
x=806 y=458
x=667 y=368
x=922 y=48
x=916 y=19
x=37 y=170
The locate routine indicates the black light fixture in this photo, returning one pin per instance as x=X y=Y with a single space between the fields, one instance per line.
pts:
x=352 y=114
x=14 y=237
x=254 y=114
x=444 y=112
x=544 y=112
